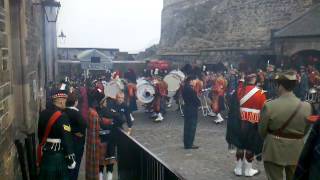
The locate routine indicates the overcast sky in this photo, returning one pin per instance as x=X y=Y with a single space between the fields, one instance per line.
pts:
x=130 y=25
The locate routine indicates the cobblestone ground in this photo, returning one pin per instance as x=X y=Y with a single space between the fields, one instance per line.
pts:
x=212 y=161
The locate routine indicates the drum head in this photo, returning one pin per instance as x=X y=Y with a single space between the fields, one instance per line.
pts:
x=173 y=82
x=145 y=93
x=113 y=88
x=180 y=74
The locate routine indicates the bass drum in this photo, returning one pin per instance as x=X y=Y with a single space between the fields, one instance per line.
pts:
x=145 y=91
x=174 y=80
x=112 y=88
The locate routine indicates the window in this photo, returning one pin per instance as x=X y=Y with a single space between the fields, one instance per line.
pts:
x=95 y=59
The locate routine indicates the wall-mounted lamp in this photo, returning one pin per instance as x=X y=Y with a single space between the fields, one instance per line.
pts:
x=51 y=9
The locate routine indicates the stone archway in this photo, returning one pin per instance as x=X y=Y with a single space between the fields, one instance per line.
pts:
x=306 y=58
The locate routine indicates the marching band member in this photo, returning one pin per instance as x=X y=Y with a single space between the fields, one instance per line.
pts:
x=132 y=98
x=159 y=101
x=261 y=78
x=198 y=86
x=269 y=83
x=251 y=100
x=217 y=103
x=116 y=75
x=131 y=76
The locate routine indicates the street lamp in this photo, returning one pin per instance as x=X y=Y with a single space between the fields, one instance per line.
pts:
x=51 y=9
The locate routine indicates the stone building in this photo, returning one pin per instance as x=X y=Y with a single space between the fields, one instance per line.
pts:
x=70 y=61
x=22 y=72
x=211 y=31
x=300 y=40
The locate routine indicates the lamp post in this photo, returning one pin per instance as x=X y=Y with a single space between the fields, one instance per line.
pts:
x=50 y=10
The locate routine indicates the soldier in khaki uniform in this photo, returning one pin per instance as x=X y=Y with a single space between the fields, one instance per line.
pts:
x=283 y=125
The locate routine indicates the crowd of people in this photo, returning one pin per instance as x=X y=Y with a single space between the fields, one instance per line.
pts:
x=266 y=113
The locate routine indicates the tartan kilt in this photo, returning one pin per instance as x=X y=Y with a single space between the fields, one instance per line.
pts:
x=53 y=167
x=250 y=138
x=103 y=152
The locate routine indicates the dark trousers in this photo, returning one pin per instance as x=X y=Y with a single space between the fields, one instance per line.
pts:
x=78 y=144
x=190 y=126
x=111 y=149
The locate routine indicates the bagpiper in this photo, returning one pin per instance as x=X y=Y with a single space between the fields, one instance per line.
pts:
x=251 y=100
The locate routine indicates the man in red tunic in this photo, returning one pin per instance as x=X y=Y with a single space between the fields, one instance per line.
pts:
x=251 y=100
x=217 y=99
x=159 y=101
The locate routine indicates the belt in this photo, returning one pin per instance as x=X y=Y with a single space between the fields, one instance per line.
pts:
x=53 y=141
x=287 y=135
x=104 y=132
x=53 y=145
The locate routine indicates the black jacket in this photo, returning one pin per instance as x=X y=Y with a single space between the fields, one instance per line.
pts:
x=309 y=163
x=191 y=101
x=60 y=130
x=78 y=125
x=123 y=111
x=190 y=97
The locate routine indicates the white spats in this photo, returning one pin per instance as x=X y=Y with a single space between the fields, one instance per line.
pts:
x=238 y=169
x=249 y=171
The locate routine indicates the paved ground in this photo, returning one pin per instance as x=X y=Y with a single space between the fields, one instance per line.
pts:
x=212 y=161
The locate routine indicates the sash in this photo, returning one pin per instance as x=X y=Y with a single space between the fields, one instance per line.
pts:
x=245 y=98
x=53 y=119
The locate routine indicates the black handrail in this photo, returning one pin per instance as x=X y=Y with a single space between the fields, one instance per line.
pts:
x=135 y=162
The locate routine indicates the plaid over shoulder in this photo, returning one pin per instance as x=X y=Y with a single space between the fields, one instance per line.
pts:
x=92 y=146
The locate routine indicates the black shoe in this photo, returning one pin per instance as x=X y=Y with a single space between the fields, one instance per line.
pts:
x=195 y=147
x=192 y=147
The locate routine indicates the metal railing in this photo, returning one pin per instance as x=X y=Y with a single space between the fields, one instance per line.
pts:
x=135 y=162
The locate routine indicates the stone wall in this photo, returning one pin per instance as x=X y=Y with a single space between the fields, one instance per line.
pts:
x=21 y=78
x=8 y=156
x=194 y=25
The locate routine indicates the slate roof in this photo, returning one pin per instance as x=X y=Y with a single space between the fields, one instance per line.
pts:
x=306 y=25
x=87 y=54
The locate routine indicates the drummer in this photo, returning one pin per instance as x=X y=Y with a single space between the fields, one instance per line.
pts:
x=174 y=80
x=159 y=101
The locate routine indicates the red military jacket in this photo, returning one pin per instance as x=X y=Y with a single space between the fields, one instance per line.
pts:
x=251 y=100
x=220 y=86
x=132 y=89
x=161 y=88
x=198 y=87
